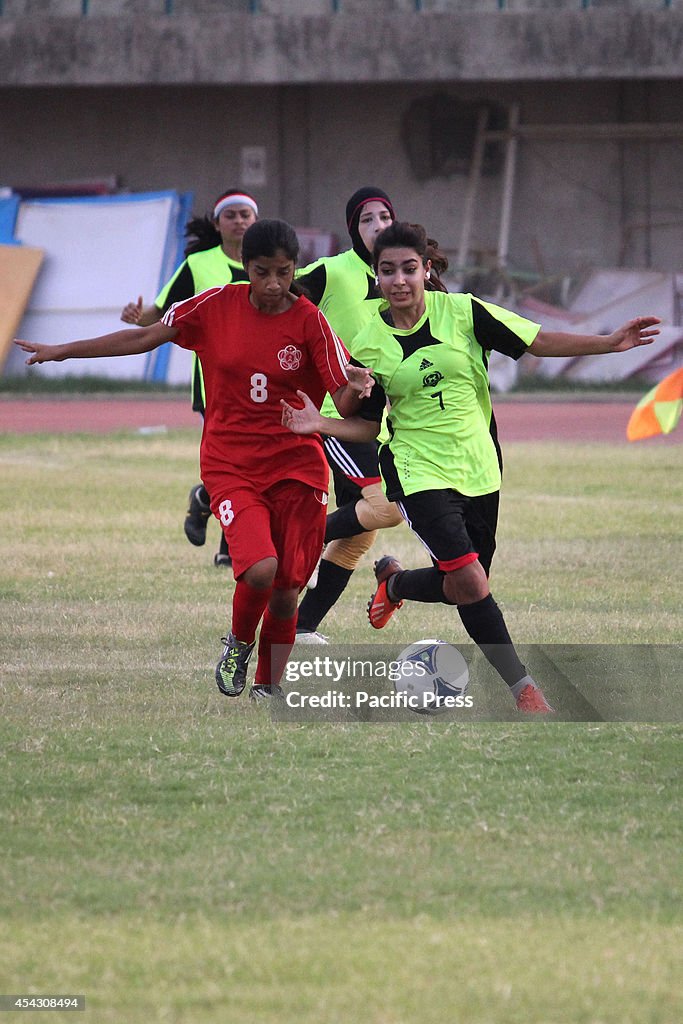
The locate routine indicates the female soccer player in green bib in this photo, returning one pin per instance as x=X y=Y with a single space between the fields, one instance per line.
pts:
x=345 y=289
x=428 y=353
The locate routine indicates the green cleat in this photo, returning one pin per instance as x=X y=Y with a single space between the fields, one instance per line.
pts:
x=231 y=670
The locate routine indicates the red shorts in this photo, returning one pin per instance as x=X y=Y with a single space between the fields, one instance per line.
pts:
x=286 y=521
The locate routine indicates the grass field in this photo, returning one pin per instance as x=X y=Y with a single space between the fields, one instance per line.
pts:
x=176 y=857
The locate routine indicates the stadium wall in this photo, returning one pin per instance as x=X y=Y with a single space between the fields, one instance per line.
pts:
x=378 y=41
x=577 y=202
x=302 y=108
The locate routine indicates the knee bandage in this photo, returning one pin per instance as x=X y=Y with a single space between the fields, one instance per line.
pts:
x=374 y=511
x=348 y=551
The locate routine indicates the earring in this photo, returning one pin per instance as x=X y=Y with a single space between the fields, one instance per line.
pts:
x=428 y=274
x=376 y=280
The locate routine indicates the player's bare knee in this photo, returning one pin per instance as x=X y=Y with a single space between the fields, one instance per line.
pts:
x=466 y=585
x=261 y=574
x=282 y=603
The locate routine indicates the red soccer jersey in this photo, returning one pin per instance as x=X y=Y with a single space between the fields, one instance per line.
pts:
x=250 y=361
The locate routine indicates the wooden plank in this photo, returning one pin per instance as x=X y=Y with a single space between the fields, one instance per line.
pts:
x=19 y=266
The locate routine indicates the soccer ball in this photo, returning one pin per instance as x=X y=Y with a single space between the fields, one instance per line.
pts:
x=431 y=675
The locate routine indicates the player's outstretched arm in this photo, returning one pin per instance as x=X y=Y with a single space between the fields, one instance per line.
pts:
x=642 y=330
x=119 y=343
x=308 y=420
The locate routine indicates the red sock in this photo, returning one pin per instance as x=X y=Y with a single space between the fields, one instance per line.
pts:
x=271 y=663
x=248 y=606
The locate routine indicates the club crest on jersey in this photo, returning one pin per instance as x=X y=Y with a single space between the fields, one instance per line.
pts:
x=425 y=364
x=432 y=379
x=290 y=357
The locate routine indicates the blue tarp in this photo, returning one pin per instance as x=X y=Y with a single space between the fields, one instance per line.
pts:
x=9 y=206
x=98 y=255
x=81 y=283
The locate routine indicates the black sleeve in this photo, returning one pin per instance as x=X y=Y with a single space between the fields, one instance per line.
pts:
x=492 y=334
x=182 y=288
x=314 y=284
x=372 y=408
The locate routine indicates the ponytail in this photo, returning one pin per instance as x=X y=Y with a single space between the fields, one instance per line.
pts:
x=201 y=234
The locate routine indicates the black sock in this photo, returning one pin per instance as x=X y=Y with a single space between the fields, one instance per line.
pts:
x=332 y=581
x=484 y=622
x=343 y=523
x=424 y=585
x=223 y=548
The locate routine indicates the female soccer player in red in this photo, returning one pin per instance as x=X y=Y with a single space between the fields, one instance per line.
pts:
x=213 y=257
x=259 y=343
x=429 y=353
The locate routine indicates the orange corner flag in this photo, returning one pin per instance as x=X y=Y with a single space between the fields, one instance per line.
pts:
x=659 y=410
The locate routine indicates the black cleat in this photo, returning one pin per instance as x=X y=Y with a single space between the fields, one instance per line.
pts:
x=196 y=519
x=263 y=693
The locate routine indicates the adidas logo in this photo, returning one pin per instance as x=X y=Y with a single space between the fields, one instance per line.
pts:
x=425 y=364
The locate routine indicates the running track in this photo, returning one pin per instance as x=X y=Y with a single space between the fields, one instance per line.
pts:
x=518 y=420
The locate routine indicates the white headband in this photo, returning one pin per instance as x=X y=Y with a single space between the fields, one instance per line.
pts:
x=234 y=200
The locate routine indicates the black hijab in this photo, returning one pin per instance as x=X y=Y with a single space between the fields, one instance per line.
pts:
x=366 y=194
